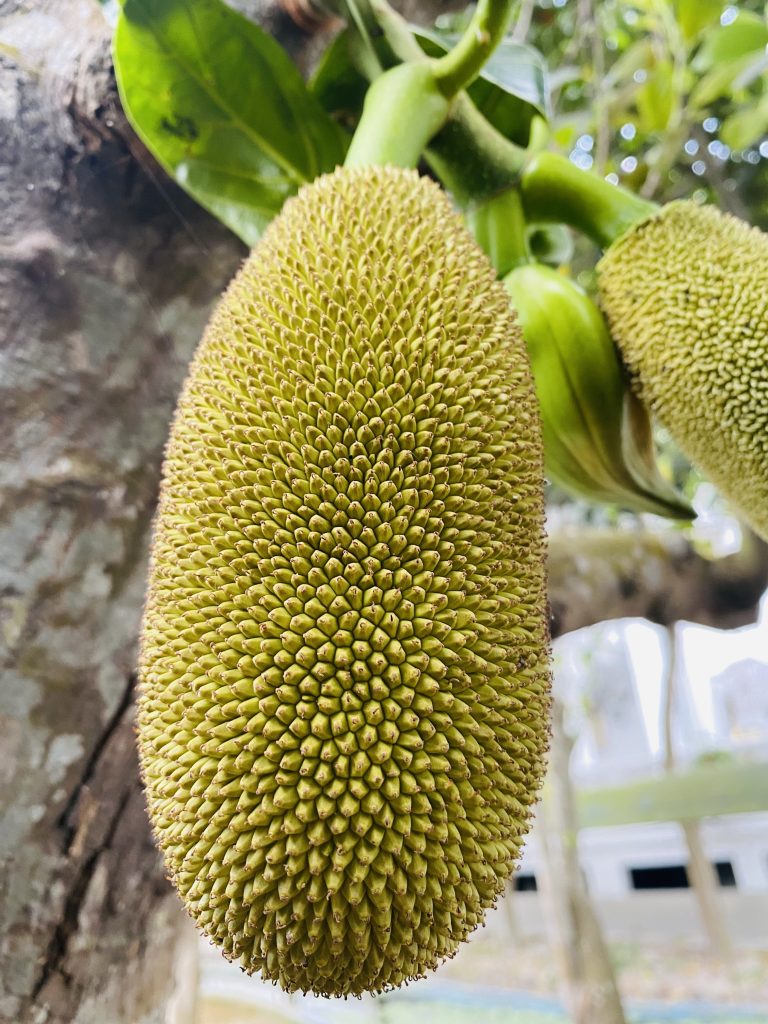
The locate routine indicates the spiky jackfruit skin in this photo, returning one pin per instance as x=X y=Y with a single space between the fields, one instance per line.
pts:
x=686 y=296
x=344 y=681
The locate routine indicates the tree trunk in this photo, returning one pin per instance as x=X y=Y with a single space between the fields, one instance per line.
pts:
x=702 y=876
x=107 y=273
x=598 y=574
x=704 y=883
x=585 y=969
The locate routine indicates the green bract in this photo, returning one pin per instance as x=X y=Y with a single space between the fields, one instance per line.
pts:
x=594 y=444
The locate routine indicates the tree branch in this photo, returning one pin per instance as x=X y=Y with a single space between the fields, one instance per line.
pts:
x=599 y=574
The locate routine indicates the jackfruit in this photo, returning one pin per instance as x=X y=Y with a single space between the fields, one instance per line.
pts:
x=685 y=293
x=344 y=666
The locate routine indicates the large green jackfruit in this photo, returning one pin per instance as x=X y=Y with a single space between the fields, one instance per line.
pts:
x=344 y=681
x=686 y=296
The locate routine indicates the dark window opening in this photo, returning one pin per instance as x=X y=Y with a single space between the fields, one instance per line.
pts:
x=725 y=875
x=675 y=876
x=671 y=876
x=525 y=883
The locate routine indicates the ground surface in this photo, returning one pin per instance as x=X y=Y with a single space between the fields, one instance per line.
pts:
x=489 y=983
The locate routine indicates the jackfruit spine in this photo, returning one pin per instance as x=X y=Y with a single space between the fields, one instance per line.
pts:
x=344 y=681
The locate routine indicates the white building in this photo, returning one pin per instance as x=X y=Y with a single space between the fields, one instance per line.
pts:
x=612 y=681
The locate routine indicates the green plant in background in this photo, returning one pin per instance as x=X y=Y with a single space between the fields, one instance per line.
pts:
x=345 y=637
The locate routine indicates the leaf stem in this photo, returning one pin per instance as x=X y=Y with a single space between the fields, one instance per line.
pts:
x=396 y=31
x=473 y=160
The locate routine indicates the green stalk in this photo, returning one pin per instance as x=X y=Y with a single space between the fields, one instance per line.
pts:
x=472 y=159
x=499 y=228
x=396 y=30
x=406 y=108
x=407 y=105
x=403 y=109
x=554 y=189
x=481 y=169
x=459 y=68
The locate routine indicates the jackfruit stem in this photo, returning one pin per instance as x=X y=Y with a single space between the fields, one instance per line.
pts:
x=403 y=109
x=499 y=228
x=456 y=69
x=473 y=160
x=461 y=66
x=555 y=190
x=481 y=169
x=409 y=104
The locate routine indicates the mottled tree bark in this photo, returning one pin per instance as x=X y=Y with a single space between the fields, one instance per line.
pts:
x=107 y=274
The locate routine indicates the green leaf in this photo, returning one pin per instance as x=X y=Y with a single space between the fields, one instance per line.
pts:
x=222 y=108
x=635 y=58
x=746 y=34
x=755 y=69
x=720 y=81
x=695 y=15
x=519 y=70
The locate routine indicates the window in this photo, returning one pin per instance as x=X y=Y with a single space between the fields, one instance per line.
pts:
x=725 y=875
x=525 y=883
x=675 y=876
x=670 y=876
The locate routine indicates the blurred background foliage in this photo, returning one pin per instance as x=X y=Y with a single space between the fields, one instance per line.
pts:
x=667 y=97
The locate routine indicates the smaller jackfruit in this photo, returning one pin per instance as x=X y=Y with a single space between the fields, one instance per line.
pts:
x=344 y=668
x=686 y=296
x=594 y=441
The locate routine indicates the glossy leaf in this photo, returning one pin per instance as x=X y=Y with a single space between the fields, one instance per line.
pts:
x=338 y=84
x=222 y=107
